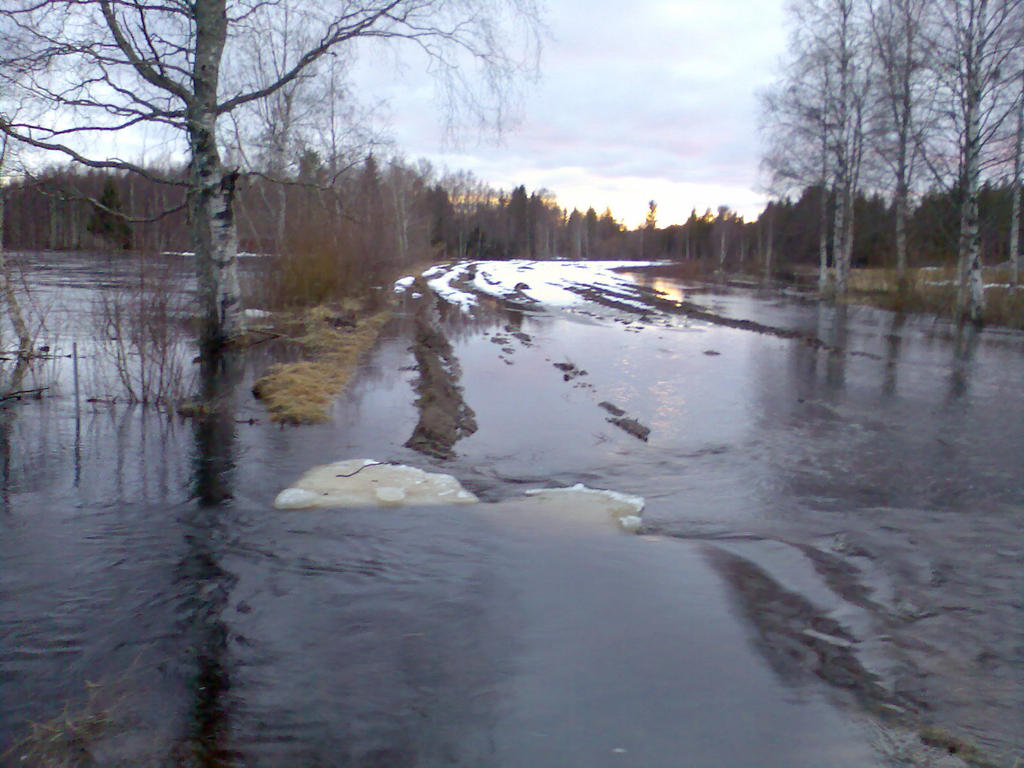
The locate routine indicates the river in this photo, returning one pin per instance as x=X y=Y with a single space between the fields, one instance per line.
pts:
x=829 y=563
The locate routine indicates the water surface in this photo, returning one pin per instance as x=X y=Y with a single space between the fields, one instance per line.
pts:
x=867 y=491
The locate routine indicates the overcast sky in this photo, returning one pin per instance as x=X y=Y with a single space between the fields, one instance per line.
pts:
x=636 y=101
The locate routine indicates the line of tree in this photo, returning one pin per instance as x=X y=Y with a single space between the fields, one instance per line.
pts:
x=916 y=103
x=359 y=227
x=224 y=82
x=785 y=238
x=362 y=224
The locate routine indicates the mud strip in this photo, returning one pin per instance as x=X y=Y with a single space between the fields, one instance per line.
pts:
x=799 y=642
x=445 y=417
x=688 y=309
x=571 y=373
x=622 y=421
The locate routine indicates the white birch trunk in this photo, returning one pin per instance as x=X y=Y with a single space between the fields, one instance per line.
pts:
x=823 y=242
x=7 y=291
x=839 y=241
x=6 y=282
x=1015 y=250
x=211 y=189
x=971 y=289
x=823 y=211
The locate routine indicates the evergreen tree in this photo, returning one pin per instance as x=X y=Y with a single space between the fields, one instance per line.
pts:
x=108 y=221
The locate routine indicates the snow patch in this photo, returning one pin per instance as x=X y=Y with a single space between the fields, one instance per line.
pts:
x=404 y=284
x=368 y=483
x=555 y=284
x=441 y=279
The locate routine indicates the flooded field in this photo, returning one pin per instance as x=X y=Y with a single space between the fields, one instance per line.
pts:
x=828 y=565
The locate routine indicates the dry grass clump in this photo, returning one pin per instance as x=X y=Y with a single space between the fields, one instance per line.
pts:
x=64 y=741
x=333 y=342
x=933 y=290
x=1004 y=305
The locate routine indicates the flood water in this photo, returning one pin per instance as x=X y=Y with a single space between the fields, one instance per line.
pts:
x=830 y=558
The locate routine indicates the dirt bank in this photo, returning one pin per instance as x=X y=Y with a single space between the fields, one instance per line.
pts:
x=445 y=417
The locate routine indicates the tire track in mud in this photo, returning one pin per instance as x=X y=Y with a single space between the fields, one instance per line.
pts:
x=798 y=640
x=802 y=641
x=445 y=417
x=623 y=302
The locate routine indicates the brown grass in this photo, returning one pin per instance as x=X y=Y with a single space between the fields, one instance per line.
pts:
x=933 y=290
x=63 y=742
x=302 y=392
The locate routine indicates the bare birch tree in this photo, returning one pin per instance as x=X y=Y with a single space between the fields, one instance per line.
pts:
x=1015 y=255
x=902 y=57
x=7 y=293
x=843 y=39
x=818 y=117
x=110 y=66
x=797 y=123
x=976 y=42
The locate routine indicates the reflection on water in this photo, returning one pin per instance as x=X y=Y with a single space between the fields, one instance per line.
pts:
x=214 y=428
x=868 y=491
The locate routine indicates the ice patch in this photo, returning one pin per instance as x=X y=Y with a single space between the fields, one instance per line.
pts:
x=621 y=502
x=620 y=507
x=630 y=523
x=367 y=483
x=390 y=495
x=296 y=498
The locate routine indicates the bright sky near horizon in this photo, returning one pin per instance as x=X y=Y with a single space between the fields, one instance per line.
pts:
x=655 y=99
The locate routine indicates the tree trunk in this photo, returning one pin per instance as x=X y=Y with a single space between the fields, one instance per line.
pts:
x=851 y=215
x=902 y=187
x=769 y=246
x=282 y=217
x=823 y=241
x=839 y=242
x=8 y=295
x=971 y=289
x=1015 y=250
x=901 y=235
x=211 y=189
x=53 y=223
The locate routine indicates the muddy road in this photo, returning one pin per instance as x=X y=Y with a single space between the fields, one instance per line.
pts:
x=827 y=571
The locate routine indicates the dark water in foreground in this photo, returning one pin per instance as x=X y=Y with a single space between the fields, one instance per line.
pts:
x=869 y=494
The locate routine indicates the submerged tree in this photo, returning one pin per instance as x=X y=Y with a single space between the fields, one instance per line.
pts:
x=105 y=68
x=978 y=41
x=7 y=294
x=899 y=46
x=799 y=119
x=1016 y=256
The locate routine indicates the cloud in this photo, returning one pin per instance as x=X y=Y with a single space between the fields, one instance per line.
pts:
x=642 y=100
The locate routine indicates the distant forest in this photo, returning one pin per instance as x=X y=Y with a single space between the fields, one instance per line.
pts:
x=377 y=218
